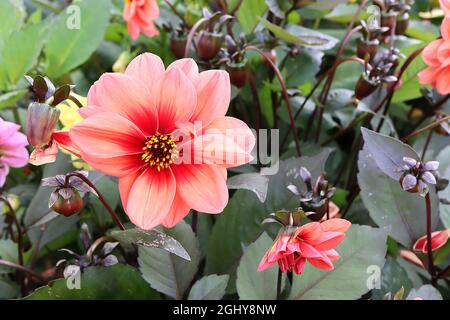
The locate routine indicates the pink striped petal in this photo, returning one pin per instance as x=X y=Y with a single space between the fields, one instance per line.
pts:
x=147 y=67
x=213 y=96
x=202 y=187
x=128 y=97
x=150 y=198
x=177 y=212
x=188 y=66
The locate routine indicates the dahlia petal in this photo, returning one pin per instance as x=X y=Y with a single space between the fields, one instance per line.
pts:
x=445 y=28
x=443 y=81
x=125 y=184
x=443 y=54
x=16 y=158
x=177 y=212
x=332 y=254
x=7 y=130
x=430 y=53
x=213 y=96
x=445 y=6
x=64 y=141
x=4 y=171
x=338 y=225
x=128 y=97
x=309 y=231
x=264 y=264
x=188 y=66
x=106 y=135
x=147 y=67
x=322 y=263
x=151 y=198
x=309 y=251
x=329 y=240
x=89 y=110
x=202 y=187
x=175 y=99
x=42 y=156
x=428 y=75
x=299 y=266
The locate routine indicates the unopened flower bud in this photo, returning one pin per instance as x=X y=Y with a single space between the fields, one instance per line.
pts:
x=238 y=73
x=122 y=61
x=178 y=46
x=66 y=201
x=41 y=123
x=365 y=87
x=208 y=45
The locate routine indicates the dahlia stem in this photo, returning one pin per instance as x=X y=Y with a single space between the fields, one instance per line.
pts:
x=191 y=35
x=279 y=278
x=284 y=93
x=427 y=144
x=174 y=10
x=428 y=127
x=21 y=268
x=100 y=196
x=431 y=268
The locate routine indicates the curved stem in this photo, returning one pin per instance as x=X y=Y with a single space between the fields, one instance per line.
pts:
x=22 y=269
x=431 y=268
x=285 y=95
x=191 y=35
x=95 y=245
x=100 y=196
x=76 y=101
x=429 y=127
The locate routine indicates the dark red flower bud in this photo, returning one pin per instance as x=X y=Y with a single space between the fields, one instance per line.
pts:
x=238 y=73
x=402 y=24
x=365 y=87
x=68 y=205
x=272 y=54
x=367 y=47
x=178 y=46
x=208 y=45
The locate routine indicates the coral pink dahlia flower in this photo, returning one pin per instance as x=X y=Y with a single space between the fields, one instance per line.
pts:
x=445 y=6
x=13 y=152
x=437 y=56
x=313 y=242
x=140 y=15
x=164 y=133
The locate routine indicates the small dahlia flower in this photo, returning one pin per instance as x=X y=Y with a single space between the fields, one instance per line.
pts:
x=140 y=15
x=438 y=239
x=165 y=135
x=13 y=152
x=313 y=242
x=417 y=175
x=437 y=56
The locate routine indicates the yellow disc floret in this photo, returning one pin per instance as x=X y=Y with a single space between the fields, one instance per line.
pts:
x=159 y=151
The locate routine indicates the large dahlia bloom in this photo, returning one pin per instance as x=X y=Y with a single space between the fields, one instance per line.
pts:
x=445 y=6
x=437 y=56
x=13 y=151
x=313 y=242
x=140 y=15
x=164 y=133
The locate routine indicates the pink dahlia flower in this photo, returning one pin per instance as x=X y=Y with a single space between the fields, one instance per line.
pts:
x=313 y=242
x=164 y=133
x=140 y=15
x=13 y=152
x=437 y=56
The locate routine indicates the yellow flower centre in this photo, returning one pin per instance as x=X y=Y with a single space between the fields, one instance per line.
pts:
x=159 y=151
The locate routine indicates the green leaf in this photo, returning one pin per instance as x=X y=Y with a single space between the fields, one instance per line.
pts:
x=387 y=152
x=249 y=13
x=422 y=30
x=109 y=189
x=389 y=205
x=362 y=248
x=151 y=239
x=12 y=14
x=301 y=36
x=168 y=273
x=9 y=99
x=209 y=288
x=67 y=48
x=22 y=50
x=344 y=13
x=393 y=278
x=250 y=181
x=119 y=282
x=254 y=285
x=426 y=292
